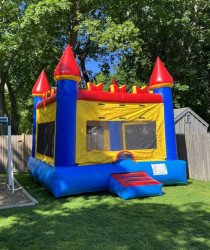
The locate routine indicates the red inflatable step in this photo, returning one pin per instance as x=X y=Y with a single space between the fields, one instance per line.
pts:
x=134 y=179
x=133 y=185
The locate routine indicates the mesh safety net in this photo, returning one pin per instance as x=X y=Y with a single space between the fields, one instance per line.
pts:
x=120 y=135
x=45 y=138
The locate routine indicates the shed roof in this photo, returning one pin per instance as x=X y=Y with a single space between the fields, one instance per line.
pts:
x=181 y=112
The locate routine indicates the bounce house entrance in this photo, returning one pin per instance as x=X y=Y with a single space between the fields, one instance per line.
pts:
x=123 y=155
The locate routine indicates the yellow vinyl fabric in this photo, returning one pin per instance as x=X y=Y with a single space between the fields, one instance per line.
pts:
x=45 y=158
x=88 y=111
x=46 y=114
x=43 y=115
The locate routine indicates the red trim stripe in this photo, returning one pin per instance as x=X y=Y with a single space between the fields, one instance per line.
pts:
x=119 y=97
x=139 y=183
x=130 y=174
x=134 y=179
x=100 y=96
x=46 y=102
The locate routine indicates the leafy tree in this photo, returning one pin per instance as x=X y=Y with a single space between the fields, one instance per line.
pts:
x=33 y=35
x=177 y=31
x=23 y=49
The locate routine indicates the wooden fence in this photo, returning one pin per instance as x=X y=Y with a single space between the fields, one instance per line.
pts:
x=21 y=149
x=195 y=149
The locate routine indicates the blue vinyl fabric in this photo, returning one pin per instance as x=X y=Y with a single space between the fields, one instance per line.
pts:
x=170 y=135
x=63 y=181
x=115 y=129
x=36 y=100
x=134 y=191
x=65 y=143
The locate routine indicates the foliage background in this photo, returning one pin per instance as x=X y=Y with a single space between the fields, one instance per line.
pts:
x=124 y=34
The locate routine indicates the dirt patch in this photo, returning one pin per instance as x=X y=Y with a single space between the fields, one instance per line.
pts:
x=18 y=199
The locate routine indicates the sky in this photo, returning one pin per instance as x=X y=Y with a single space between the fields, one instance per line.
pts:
x=93 y=65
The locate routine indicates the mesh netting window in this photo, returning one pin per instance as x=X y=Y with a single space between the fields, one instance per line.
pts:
x=97 y=136
x=140 y=136
x=45 y=138
x=115 y=136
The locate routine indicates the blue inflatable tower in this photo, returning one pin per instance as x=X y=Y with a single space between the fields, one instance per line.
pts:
x=67 y=75
x=41 y=86
x=161 y=82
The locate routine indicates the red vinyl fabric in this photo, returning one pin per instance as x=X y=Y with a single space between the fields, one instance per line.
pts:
x=119 y=97
x=134 y=179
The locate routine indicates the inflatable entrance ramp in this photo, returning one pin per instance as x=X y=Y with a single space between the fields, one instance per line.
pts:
x=134 y=185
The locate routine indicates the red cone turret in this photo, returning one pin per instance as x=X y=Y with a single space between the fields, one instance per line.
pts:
x=41 y=85
x=67 y=67
x=160 y=76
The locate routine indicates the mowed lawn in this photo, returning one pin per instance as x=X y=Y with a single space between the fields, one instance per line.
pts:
x=180 y=219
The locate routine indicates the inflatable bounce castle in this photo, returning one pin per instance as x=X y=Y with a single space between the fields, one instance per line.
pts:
x=92 y=140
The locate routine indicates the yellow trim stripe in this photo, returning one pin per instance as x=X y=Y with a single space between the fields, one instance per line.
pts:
x=88 y=85
x=67 y=77
x=95 y=85
x=112 y=88
x=37 y=94
x=52 y=92
x=134 y=89
x=161 y=85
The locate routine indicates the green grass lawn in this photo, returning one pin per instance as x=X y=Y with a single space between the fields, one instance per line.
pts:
x=180 y=219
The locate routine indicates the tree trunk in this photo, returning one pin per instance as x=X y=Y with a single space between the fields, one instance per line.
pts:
x=74 y=23
x=84 y=71
x=14 y=109
x=3 y=80
x=3 y=108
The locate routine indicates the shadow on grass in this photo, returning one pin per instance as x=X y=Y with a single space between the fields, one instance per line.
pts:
x=103 y=221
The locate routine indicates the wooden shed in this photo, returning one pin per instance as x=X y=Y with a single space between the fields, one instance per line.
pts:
x=187 y=121
x=193 y=143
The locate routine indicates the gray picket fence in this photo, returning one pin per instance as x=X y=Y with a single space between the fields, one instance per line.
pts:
x=21 y=149
x=195 y=149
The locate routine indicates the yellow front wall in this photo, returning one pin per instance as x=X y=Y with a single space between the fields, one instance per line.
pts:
x=91 y=111
x=43 y=115
x=46 y=114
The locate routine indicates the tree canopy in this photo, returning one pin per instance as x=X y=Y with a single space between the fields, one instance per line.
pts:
x=129 y=33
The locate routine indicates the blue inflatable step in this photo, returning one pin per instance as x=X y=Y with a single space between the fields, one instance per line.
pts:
x=133 y=185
